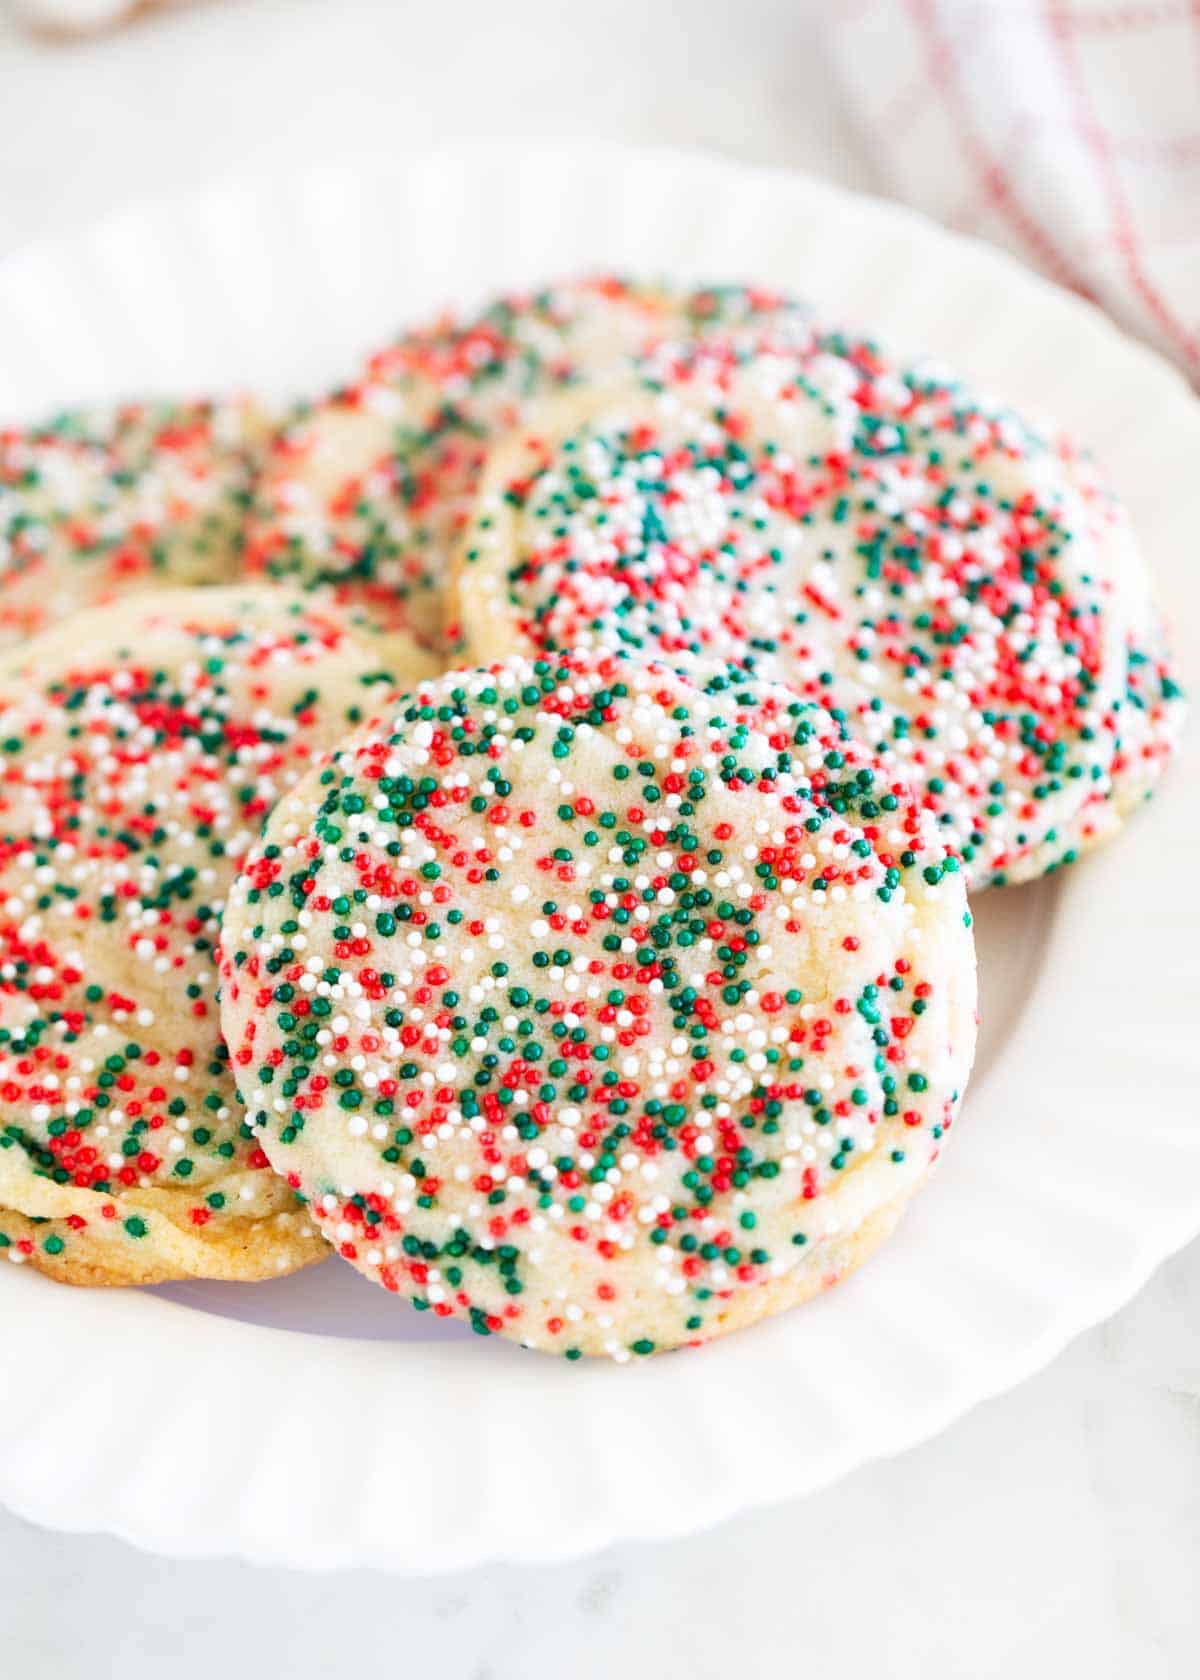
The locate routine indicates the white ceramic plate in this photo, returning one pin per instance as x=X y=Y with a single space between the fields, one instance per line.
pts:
x=316 y=1422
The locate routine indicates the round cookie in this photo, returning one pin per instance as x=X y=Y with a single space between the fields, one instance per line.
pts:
x=934 y=571
x=143 y=746
x=603 y=1011
x=367 y=489
x=98 y=503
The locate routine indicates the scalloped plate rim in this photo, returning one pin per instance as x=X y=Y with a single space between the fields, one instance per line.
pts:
x=1004 y=1365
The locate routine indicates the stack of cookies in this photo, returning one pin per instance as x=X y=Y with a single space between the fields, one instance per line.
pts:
x=512 y=819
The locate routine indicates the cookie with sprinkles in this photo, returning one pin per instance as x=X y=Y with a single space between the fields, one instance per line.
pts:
x=143 y=746
x=95 y=504
x=602 y=1010
x=367 y=489
x=933 y=570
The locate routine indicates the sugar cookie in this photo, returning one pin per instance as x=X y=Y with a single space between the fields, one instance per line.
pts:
x=602 y=1011
x=143 y=745
x=933 y=570
x=99 y=503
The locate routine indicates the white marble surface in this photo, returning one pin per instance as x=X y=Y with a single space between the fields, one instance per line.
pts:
x=1056 y=1530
